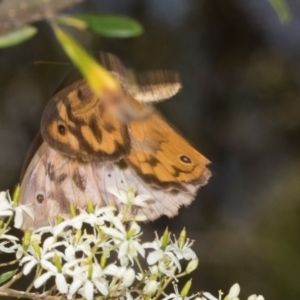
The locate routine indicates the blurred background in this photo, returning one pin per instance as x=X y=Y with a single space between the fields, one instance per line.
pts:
x=239 y=106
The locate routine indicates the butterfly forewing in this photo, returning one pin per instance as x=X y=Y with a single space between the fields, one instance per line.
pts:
x=80 y=124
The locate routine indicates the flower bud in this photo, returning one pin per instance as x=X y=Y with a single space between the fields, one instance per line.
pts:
x=130 y=195
x=90 y=271
x=77 y=237
x=37 y=249
x=59 y=219
x=90 y=207
x=165 y=239
x=151 y=287
x=234 y=291
x=182 y=238
x=192 y=266
x=57 y=262
x=103 y=260
x=26 y=239
x=16 y=194
x=129 y=277
x=140 y=218
x=73 y=210
x=186 y=289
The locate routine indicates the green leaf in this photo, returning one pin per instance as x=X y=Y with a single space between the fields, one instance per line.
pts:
x=100 y=80
x=6 y=276
x=17 y=36
x=112 y=25
x=282 y=10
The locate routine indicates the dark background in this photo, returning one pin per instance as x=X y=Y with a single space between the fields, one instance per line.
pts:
x=239 y=106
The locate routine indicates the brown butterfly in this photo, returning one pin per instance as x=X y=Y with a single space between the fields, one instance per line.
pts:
x=94 y=143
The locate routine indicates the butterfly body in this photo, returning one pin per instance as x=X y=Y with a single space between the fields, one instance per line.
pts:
x=92 y=144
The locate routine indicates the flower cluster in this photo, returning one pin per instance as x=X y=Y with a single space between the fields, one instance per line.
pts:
x=99 y=253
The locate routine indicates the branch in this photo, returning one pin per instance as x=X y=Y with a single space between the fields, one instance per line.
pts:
x=15 y=13
x=20 y=294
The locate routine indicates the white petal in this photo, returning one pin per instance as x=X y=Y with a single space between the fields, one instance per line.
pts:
x=47 y=265
x=18 y=220
x=69 y=253
x=139 y=248
x=26 y=259
x=61 y=283
x=174 y=259
x=260 y=297
x=129 y=277
x=118 y=224
x=101 y=287
x=48 y=243
x=28 y=267
x=123 y=249
x=76 y=284
x=113 y=232
x=113 y=270
x=42 y=279
x=9 y=237
x=29 y=210
x=128 y=296
x=89 y=290
x=209 y=296
x=234 y=291
x=6 y=213
x=5 y=205
x=154 y=245
x=154 y=256
x=121 y=195
x=5 y=249
x=252 y=297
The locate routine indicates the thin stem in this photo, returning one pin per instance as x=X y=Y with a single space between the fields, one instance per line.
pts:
x=139 y=265
x=37 y=274
x=9 y=263
x=159 y=292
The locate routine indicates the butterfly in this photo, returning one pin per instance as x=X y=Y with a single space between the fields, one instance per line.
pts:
x=92 y=144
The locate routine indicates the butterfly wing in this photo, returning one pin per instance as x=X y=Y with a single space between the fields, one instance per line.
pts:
x=168 y=166
x=52 y=181
x=80 y=124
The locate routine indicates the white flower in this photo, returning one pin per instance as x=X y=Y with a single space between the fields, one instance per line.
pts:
x=128 y=198
x=128 y=246
x=176 y=295
x=34 y=256
x=185 y=252
x=85 y=285
x=19 y=209
x=8 y=208
x=52 y=270
x=9 y=240
x=160 y=254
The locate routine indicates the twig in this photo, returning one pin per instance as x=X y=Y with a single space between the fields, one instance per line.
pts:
x=20 y=294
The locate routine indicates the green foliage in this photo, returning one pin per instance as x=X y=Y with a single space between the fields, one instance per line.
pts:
x=111 y=25
x=7 y=275
x=17 y=36
x=282 y=10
